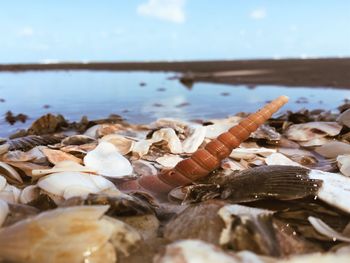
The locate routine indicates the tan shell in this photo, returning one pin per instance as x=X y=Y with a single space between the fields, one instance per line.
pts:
x=123 y=145
x=56 y=156
x=65 y=166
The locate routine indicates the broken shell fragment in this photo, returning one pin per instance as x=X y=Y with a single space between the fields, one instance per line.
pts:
x=70 y=184
x=107 y=161
x=64 y=166
x=194 y=139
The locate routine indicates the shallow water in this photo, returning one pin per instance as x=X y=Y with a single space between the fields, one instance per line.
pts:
x=98 y=94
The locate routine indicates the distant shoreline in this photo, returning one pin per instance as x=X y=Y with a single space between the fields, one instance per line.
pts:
x=320 y=72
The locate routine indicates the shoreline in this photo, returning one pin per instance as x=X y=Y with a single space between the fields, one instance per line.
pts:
x=320 y=72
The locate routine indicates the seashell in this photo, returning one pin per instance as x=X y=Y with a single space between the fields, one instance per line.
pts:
x=70 y=234
x=48 y=123
x=250 y=153
x=315 y=142
x=169 y=161
x=327 y=231
x=344 y=164
x=195 y=138
x=28 y=167
x=82 y=149
x=29 y=194
x=4 y=210
x=141 y=148
x=220 y=126
x=333 y=149
x=207 y=225
x=144 y=168
x=10 y=173
x=344 y=118
x=267 y=133
x=10 y=194
x=335 y=189
x=146 y=225
x=4 y=148
x=232 y=165
x=203 y=161
x=175 y=124
x=123 y=145
x=34 y=155
x=64 y=166
x=77 y=140
x=311 y=130
x=80 y=184
x=92 y=131
x=168 y=135
x=280 y=159
x=107 y=161
x=57 y=156
x=31 y=141
x=192 y=251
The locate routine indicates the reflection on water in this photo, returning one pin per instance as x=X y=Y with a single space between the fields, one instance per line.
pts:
x=98 y=94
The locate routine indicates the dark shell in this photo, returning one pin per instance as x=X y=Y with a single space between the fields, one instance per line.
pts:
x=46 y=124
x=29 y=142
x=197 y=222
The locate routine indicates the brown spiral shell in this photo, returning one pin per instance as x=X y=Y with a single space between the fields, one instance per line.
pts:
x=203 y=161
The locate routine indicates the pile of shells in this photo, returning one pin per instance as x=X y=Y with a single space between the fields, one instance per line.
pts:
x=281 y=196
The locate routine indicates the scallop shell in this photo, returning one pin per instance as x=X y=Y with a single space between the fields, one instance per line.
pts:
x=107 y=161
x=80 y=184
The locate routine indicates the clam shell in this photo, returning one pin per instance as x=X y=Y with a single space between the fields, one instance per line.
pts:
x=123 y=145
x=168 y=135
x=28 y=167
x=29 y=194
x=344 y=118
x=65 y=166
x=107 y=161
x=61 y=183
x=10 y=173
x=333 y=149
x=56 y=156
x=10 y=194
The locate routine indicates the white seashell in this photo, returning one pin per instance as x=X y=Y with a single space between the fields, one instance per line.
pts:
x=64 y=166
x=249 y=153
x=107 y=161
x=168 y=135
x=142 y=167
x=35 y=155
x=193 y=251
x=169 y=161
x=280 y=159
x=10 y=194
x=195 y=139
x=335 y=189
x=344 y=118
x=141 y=148
x=92 y=131
x=231 y=165
x=4 y=210
x=29 y=194
x=3 y=182
x=312 y=130
x=123 y=145
x=333 y=149
x=10 y=172
x=56 y=156
x=344 y=164
x=60 y=183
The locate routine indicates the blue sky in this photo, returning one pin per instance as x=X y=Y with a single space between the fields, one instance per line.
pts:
x=107 y=30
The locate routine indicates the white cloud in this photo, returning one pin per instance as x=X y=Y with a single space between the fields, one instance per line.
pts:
x=259 y=13
x=169 y=10
x=26 y=32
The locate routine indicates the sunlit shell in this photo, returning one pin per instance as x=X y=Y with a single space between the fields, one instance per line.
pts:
x=344 y=164
x=232 y=165
x=10 y=173
x=123 y=145
x=169 y=160
x=168 y=135
x=192 y=251
x=220 y=126
x=65 y=166
x=312 y=130
x=107 y=161
x=141 y=148
x=280 y=159
x=60 y=235
x=10 y=194
x=177 y=125
x=142 y=167
x=344 y=118
x=4 y=210
x=56 y=156
x=250 y=153
x=28 y=167
x=28 y=194
x=333 y=149
x=92 y=131
x=60 y=183
x=196 y=135
x=82 y=149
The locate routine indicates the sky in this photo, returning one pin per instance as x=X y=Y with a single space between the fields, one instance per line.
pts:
x=152 y=30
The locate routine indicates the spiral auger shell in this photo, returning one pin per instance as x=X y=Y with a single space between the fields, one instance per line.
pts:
x=205 y=160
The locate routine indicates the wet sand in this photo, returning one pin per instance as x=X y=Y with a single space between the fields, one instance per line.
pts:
x=326 y=72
